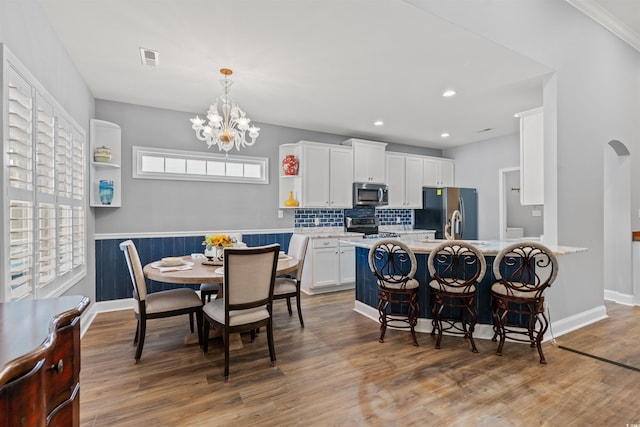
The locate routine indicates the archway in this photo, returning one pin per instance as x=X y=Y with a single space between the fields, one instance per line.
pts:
x=618 y=275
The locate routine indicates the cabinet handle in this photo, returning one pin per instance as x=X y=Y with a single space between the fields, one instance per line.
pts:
x=58 y=367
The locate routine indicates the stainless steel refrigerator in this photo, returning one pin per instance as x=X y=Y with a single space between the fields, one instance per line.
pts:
x=449 y=210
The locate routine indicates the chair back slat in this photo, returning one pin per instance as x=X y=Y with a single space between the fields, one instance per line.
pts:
x=392 y=262
x=528 y=267
x=135 y=270
x=456 y=264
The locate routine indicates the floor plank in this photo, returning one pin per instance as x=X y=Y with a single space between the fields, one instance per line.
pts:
x=334 y=372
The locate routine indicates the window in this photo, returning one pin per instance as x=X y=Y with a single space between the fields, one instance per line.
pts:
x=45 y=200
x=161 y=163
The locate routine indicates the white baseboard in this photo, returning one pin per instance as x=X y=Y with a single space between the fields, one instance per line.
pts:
x=483 y=331
x=327 y=289
x=103 y=307
x=619 y=298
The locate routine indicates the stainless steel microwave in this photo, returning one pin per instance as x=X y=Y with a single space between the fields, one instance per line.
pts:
x=368 y=194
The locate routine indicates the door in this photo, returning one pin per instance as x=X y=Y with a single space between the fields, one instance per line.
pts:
x=396 y=180
x=347 y=264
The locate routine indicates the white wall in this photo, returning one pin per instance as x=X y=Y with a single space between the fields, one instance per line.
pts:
x=26 y=32
x=594 y=95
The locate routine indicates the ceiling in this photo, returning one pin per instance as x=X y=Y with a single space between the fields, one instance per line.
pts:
x=321 y=65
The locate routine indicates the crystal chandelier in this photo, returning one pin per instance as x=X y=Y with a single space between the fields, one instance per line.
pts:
x=226 y=129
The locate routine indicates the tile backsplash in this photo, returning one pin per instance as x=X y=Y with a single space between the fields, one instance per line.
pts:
x=335 y=217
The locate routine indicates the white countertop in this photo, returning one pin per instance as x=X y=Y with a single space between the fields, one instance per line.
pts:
x=339 y=232
x=487 y=247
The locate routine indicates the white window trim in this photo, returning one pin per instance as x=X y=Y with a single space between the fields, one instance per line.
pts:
x=139 y=152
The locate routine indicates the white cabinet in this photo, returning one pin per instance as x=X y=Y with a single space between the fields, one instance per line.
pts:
x=531 y=157
x=404 y=178
x=438 y=172
x=329 y=266
x=105 y=134
x=324 y=177
x=368 y=160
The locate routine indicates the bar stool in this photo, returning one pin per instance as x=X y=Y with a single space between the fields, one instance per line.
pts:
x=394 y=266
x=523 y=271
x=455 y=268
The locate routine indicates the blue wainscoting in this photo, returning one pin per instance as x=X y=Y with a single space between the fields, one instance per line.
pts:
x=112 y=275
x=367 y=288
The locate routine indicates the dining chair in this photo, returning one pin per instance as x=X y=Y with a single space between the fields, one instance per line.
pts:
x=288 y=286
x=455 y=268
x=394 y=265
x=246 y=304
x=523 y=271
x=172 y=302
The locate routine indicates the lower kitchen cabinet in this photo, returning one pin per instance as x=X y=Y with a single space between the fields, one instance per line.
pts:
x=329 y=266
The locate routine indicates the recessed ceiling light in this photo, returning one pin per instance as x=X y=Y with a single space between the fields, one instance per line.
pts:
x=448 y=93
x=378 y=123
x=444 y=135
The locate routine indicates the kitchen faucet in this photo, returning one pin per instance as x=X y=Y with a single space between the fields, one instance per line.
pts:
x=453 y=225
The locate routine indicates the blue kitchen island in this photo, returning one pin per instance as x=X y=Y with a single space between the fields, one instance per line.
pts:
x=367 y=289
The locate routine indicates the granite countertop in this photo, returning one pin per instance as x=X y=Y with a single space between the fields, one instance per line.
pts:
x=327 y=232
x=487 y=247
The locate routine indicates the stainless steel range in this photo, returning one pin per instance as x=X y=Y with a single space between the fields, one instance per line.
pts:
x=367 y=225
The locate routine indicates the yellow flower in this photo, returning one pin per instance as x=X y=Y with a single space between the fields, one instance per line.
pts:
x=218 y=240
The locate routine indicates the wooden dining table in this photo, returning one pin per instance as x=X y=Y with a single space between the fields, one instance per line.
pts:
x=199 y=273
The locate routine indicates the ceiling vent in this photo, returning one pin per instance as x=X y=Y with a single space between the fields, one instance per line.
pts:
x=484 y=130
x=149 y=57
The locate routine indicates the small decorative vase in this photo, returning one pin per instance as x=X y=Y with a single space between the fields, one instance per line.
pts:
x=214 y=252
x=291 y=202
x=106 y=191
x=290 y=165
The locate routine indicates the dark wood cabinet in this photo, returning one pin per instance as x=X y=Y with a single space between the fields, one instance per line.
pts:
x=40 y=362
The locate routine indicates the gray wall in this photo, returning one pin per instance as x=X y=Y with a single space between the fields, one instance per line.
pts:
x=477 y=166
x=593 y=98
x=517 y=214
x=26 y=32
x=163 y=206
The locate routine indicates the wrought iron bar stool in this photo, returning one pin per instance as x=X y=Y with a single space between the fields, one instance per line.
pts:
x=523 y=271
x=455 y=268
x=394 y=266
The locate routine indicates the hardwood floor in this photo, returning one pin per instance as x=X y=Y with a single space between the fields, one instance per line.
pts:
x=334 y=372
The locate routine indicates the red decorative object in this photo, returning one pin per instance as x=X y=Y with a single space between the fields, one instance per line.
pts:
x=290 y=165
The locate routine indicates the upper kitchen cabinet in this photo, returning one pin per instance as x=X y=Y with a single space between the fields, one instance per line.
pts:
x=438 y=172
x=368 y=160
x=324 y=178
x=531 y=157
x=404 y=178
x=106 y=158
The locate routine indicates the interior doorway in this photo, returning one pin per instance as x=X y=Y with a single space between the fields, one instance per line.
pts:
x=618 y=264
x=515 y=220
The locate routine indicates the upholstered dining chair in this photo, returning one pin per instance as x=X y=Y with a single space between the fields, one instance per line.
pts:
x=246 y=304
x=394 y=265
x=207 y=290
x=523 y=271
x=287 y=287
x=172 y=302
x=455 y=268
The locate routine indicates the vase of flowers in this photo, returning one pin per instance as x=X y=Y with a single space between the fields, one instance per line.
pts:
x=214 y=246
